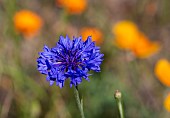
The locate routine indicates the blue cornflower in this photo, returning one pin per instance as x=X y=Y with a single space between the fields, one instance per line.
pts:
x=71 y=59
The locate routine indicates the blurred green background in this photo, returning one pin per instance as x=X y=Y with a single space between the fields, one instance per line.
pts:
x=24 y=92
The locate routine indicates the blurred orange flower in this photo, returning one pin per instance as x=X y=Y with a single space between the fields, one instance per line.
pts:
x=73 y=6
x=126 y=34
x=128 y=37
x=96 y=34
x=167 y=102
x=27 y=23
x=60 y=3
x=162 y=71
x=144 y=47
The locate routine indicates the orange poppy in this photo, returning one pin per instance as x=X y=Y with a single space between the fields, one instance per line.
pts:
x=73 y=6
x=167 y=102
x=27 y=22
x=128 y=37
x=162 y=71
x=96 y=34
x=144 y=47
x=126 y=34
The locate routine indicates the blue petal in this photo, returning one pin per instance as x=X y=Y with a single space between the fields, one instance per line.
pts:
x=51 y=82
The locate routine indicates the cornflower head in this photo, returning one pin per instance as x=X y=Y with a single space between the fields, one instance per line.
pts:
x=71 y=59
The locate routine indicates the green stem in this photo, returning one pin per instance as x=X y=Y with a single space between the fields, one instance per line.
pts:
x=79 y=102
x=119 y=103
x=120 y=108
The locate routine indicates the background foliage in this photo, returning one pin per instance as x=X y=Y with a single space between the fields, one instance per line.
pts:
x=24 y=92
